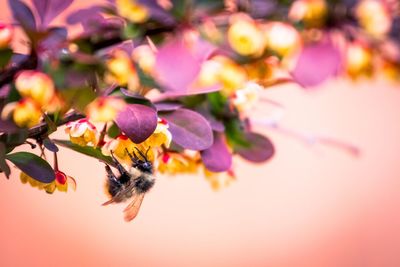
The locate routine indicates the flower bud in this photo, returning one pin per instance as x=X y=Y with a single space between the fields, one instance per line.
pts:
x=374 y=17
x=36 y=85
x=26 y=113
x=245 y=37
x=281 y=38
x=132 y=10
x=104 y=109
x=312 y=12
x=6 y=35
x=122 y=71
x=358 y=60
x=145 y=58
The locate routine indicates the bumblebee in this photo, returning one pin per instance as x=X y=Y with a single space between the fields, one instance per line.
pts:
x=130 y=184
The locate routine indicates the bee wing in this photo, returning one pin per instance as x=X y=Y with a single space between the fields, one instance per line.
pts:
x=133 y=208
x=118 y=196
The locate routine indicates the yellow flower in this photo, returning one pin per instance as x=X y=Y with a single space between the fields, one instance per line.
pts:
x=6 y=35
x=374 y=17
x=118 y=147
x=245 y=37
x=218 y=180
x=26 y=113
x=61 y=182
x=104 y=109
x=121 y=70
x=145 y=58
x=311 y=12
x=178 y=163
x=358 y=60
x=160 y=137
x=281 y=38
x=132 y=10
x=36 y=85
x=82 y=132
x=247 y=97
x=222 y=70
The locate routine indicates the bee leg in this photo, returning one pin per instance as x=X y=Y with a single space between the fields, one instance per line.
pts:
x=120 y=168
x=110 y=174
x=113 y=184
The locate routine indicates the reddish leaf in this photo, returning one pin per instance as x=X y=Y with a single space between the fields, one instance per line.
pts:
x=189 y=129
x=137 y=121
x=217 y=158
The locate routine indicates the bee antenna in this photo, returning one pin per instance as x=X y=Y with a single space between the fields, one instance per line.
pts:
x=133 y=157
x=141 y=154
x=147 y=151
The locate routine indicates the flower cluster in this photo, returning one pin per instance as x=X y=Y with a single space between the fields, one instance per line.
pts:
x=177 y=82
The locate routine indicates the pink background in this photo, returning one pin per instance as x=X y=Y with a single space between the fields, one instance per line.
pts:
x=310 y=206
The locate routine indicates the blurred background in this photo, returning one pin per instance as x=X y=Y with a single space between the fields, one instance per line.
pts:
x=309 y=206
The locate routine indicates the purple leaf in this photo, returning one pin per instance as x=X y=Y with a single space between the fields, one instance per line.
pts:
x=189 y=129
x=56 y=37
x=215 y=124
x=32 y=165
x=317 y=63
x=137 y=121
x=23 y=15
x=167 y=106
x=178 y=65
x=86 y=16
x=260 y=149
x=217 y=158
x=8 y=126
x=49 y=145
x=49 y=9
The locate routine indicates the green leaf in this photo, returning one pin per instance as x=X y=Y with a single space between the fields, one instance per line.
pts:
x=16 y=138
x=217 y=103
x=86 y=150
x=79 y=98
x=33 y=165
x=5 y=56
x=131 y=31
x=51 y=126
x=235 y=133
x=3 y=164
x=113 y=131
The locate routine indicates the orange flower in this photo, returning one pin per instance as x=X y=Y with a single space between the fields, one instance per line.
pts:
x=121 y=70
